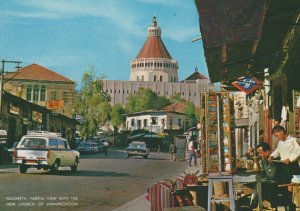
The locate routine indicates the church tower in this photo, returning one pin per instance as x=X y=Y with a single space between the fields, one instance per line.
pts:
x=154 y=63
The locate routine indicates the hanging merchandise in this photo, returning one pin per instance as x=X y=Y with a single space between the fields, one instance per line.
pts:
x=216 y=145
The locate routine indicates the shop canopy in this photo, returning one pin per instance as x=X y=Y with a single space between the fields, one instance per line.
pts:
x=242 y=38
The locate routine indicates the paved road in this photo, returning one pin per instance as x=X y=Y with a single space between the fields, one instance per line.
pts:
x=102 y=183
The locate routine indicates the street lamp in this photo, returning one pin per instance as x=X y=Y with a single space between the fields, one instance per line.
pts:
x=2 y=83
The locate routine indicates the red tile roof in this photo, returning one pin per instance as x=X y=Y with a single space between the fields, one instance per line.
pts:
x=154 y=48
x=177 y=107
x=38 y=73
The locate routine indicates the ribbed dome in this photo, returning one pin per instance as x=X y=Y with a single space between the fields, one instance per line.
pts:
x=154 y=46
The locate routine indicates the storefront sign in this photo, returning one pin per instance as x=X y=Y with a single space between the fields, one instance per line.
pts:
x=247 y=85
x=37 y=116
x=14 y=109
x=54 y=104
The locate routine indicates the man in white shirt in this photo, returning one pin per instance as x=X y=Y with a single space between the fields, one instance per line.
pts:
x=288 y=150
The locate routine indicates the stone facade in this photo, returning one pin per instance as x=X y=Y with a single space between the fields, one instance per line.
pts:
x=120 y=90
x=45 y=87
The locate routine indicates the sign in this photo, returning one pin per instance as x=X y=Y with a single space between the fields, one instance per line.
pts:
x=37 y=116
x=54 y=104
x=14 y=109
x=247 y=85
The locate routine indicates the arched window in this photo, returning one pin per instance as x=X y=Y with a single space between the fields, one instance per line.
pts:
x=29 y=92
x=36 y=93
x=43 y=93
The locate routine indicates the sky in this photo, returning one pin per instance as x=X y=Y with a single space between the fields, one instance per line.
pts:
x=71 y=36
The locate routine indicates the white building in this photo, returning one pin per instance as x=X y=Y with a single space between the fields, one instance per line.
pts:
x=154 y=68
x=154 y=121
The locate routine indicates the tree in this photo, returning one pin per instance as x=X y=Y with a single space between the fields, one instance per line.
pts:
x=145 y=99
x=190 y=114
x=117 y=117
x=176 y=98
x=92 y=104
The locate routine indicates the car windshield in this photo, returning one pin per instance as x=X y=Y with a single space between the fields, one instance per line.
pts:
x=137 y=145
x=33 y=142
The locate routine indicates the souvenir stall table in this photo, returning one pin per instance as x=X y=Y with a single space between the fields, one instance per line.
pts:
x=217 y=184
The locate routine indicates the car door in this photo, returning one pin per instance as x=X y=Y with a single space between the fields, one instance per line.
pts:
x=62 y=153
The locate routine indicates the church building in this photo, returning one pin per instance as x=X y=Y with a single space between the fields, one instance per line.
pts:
x=154 y=68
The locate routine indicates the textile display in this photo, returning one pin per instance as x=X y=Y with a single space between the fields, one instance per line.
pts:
x=162 y=193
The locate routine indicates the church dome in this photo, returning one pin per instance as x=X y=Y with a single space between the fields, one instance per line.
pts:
x=154 y=46
x=154 y=62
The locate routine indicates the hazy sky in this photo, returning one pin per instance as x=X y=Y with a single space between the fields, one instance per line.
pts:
x=68 y=36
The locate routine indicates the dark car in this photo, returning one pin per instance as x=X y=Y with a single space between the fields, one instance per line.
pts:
x=87 y=148
x=137 y=148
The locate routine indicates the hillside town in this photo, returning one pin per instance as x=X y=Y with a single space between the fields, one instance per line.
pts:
x=229 y=140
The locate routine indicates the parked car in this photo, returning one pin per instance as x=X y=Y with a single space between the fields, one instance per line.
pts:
x=88 y=148
x=44 y=150
x=137 y=148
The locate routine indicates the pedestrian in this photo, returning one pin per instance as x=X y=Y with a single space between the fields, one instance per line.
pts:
x=173 y=151
x=288 y=150
x=105 y=144
x=192 y=152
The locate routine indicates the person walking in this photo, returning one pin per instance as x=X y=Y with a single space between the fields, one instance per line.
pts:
x=173 y=151
x=192 y=153
x=105 y=144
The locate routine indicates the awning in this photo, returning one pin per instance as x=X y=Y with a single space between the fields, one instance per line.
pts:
x=242 y=38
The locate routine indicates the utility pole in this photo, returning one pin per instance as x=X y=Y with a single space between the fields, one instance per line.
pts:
x=2 y=83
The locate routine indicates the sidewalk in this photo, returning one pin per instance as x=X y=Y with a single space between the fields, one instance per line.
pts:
x=141 y=203
x=138 y=204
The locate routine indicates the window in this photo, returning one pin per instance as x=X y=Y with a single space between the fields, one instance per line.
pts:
x=132 y=122
x=145 y=122
x=36 y=93
x=61 y=144
x=43 y=93
x=53 y=143
x=155 y=78
x=160 y=78
x=154 y=120
x=53 y=95
x=29 y=92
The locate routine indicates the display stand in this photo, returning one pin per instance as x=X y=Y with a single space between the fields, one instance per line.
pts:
x=296 y=107
x=216 y=144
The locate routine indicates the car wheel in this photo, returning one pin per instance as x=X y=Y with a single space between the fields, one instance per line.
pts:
x=75 y=166
x=23 y=169
x=145 y=156
x=54 y=168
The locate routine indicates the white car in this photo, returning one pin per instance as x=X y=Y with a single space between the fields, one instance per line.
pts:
x=44 y=150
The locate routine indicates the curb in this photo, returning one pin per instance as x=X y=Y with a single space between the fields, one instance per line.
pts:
x=139 y=203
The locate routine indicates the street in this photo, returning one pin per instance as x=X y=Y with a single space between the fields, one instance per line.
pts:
x=101 y=183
